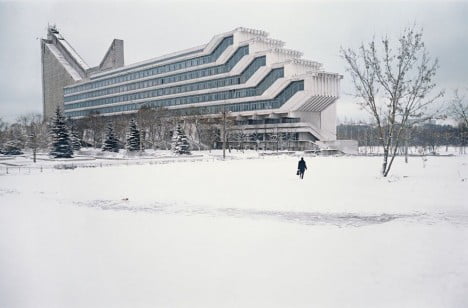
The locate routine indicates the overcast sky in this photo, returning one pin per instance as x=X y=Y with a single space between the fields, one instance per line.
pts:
x=151 y=29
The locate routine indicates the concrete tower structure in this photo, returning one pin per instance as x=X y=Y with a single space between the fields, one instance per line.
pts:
x=62 y=66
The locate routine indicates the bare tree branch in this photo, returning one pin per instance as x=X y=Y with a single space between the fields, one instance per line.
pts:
x=394 y=85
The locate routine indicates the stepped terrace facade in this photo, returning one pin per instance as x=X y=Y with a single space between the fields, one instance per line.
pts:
x=242 y=73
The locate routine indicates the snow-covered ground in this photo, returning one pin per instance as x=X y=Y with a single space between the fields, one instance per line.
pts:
x=236 y=233
x=91 y=158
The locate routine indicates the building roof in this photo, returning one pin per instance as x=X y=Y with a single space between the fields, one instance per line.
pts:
x=72 y=52
x=67 y=66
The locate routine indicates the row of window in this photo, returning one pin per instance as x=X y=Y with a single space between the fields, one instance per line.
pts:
x=133 y=67
x=222 y=82
x=240 y=53
x=274 y=137
x=225 y=43
x=238 y=137
x=272 y=76
x=275 y=103
x=267 y=121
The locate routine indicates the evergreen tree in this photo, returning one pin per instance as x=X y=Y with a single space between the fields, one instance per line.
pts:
x=11 y=147
x=133 y=137
x=61 y=146
x=75 y=140
x=180 y=143
x=111 y=143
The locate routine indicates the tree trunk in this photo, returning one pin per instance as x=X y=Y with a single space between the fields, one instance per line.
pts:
x=406 y=148
x=406 y=153
x=224 y=134
x=385 y=162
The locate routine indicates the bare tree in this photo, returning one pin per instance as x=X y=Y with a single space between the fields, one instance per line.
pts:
x=209 y=131
x=37 y=133
x=146 y=119
x=95 y=123
x=168 y=126
x=275 y=137
x=194 y=125
x=17 y=134
x=224 y=131
x=255 y=137
x=458 y=109
x=30 y=131
x=227 y=126
x=3 y=131
x=394 y=86
x=154 y=125
x=240 y=136
x=120 y=128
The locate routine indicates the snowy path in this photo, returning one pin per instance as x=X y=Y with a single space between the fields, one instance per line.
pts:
x=243 y=233
x=305 y=218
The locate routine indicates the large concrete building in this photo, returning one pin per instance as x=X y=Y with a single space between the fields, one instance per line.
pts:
x=244 y=72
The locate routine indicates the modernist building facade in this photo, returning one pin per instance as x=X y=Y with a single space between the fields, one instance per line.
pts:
x=243 y=72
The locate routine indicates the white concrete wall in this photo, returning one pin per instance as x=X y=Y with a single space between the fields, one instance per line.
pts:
x=114 y=56
x=309 y=117
x=54 y=78
x=328 y=121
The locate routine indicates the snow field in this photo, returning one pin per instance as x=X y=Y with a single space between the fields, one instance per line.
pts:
x=239 y=233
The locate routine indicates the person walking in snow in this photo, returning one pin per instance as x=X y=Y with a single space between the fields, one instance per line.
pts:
x=301 y=167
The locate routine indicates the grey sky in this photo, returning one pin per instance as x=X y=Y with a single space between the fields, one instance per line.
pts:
x=150 y=29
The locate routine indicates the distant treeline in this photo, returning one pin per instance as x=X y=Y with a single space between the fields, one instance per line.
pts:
x=428 y=136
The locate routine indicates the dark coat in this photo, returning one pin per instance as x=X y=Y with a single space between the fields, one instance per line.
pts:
x=302 y=165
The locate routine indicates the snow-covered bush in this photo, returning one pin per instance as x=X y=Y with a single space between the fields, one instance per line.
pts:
x=11 y=147
x=133 y=137
x=180 y=143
